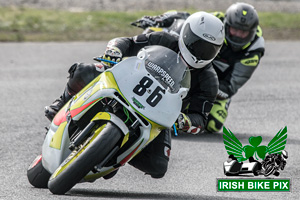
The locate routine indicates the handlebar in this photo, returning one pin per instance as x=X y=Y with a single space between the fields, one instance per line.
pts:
x=175 y=131
x=104 y=60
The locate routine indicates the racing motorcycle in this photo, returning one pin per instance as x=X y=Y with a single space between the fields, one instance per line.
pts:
x=111 y=120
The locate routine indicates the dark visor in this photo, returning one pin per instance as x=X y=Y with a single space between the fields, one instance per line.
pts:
x=198 y=47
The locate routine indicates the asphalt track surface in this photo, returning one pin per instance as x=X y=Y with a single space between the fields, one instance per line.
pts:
x=34 y=74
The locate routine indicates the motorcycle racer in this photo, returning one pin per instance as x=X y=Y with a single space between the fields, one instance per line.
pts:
x=276 y=161
x=238 y=58
x=200 y=40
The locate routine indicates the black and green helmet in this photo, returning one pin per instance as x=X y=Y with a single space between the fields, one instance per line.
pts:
x=244 y=17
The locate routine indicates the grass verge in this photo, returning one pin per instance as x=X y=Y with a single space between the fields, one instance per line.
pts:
x=24 y=24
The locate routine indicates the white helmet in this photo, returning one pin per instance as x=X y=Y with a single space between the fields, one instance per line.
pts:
x=201 y=39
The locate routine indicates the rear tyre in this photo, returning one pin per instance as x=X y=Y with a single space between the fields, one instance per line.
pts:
x=77 y=165
x=37 y=175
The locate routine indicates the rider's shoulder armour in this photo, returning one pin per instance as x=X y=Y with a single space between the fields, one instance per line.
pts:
x=219 y=15
x=258 y=44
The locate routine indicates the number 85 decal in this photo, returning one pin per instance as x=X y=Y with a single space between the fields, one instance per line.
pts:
x=154 y=97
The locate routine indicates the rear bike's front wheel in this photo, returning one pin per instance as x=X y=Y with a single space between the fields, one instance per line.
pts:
x=81 y=162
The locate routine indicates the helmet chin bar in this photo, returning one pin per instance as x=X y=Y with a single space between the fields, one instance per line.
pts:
x=189 y=58
x=238 y=46
x=196 y=60
x=237 y=43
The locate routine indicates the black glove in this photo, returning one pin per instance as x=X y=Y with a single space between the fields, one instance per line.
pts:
x=164 y=20
x=145 y=22
x=112 y=54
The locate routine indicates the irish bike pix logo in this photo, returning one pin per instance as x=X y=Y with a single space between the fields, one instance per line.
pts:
x=263 y=163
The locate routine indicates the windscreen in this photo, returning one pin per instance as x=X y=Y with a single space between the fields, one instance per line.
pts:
x=167 y=67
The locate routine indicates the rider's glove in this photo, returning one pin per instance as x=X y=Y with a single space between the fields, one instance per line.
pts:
x=184 y=123
x=147 y=21
x=160 y=20
x=151 y=21
x=112 y=54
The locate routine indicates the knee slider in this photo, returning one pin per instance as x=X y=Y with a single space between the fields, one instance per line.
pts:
x=213 y=124
x=159 y=168
x=160 y=160
x=217 y=116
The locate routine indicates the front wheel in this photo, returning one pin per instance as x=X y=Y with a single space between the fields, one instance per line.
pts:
x=75 y=167
x=37 y=175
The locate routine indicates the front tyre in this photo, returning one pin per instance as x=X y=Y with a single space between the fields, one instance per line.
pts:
x=37 y=175
x=78 y=164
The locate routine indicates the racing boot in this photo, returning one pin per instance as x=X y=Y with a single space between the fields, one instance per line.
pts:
x=52 y=110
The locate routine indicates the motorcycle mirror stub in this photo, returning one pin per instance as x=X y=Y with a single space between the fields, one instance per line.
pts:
x=142 y=54
x=183 y=92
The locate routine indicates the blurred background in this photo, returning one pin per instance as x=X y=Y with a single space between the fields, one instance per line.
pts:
x=138 y=5
x=77 y=20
